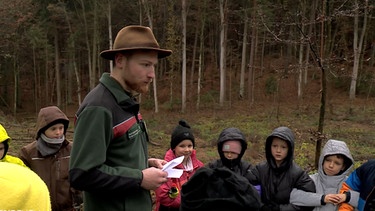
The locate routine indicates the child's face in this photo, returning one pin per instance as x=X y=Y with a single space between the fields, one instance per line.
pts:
x=184 y=148
x=332 y=165
x=279 y=150
x=2 y=149
x=230 y=155
x=55 y=131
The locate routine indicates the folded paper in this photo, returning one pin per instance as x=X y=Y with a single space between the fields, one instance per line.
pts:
x=169 y=168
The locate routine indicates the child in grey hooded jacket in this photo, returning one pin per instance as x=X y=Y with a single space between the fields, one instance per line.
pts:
x=335 y=163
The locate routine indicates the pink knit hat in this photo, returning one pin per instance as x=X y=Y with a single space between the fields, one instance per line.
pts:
x=232 y=146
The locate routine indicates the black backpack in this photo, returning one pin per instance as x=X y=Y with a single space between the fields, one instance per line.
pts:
x=370 y=201
x=218 y=189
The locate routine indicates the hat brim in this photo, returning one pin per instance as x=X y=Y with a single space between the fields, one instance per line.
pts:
x=110 y=54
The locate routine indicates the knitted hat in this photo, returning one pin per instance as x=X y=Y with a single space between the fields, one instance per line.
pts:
x=23 y=189
x=232 y=146
x=180 y=133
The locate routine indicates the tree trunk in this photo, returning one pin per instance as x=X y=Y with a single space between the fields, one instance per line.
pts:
x=94 y=43
x=110 y=39
x=192 y=69
x=183 y=94
x=154 y=82
x=300 y=56
x=16 y=83
x=36 y=87
x=319 y=140
x=222 y=51
x=357 y=47
x=243 y=57
x=72 y=55
x=201 y=55
x=309 y=36
x=252 y=56
x=92 y=79
x=46 y=76
x=57 y=69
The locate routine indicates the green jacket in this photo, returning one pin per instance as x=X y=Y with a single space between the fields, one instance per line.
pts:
x=110 y=150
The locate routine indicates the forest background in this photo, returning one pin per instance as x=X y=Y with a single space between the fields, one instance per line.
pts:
x=251 y=64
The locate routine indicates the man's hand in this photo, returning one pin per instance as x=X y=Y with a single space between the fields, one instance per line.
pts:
x=157 y=163
x=153 y=178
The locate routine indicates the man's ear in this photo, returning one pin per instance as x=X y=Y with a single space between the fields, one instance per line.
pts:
x=118 y=57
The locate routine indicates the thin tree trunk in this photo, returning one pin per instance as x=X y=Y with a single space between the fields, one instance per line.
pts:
x=222 y=51
x=183 y=94
x=243 y=57
x=110 y=39
x=357 y=47
x=148 y=10
x=72 y=55
x=193 y=60
x=201 y=56
x=319 y=140
x=16 y=83
x=46 y=77
x=36 y=88
x=57 y=69
x=95 y=43
x=92 y=79
x=251 y=58
x=310 y=32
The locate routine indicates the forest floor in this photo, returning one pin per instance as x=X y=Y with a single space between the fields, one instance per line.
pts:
x=352 y=121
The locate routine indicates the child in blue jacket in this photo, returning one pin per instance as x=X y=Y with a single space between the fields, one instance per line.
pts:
x=362 y=180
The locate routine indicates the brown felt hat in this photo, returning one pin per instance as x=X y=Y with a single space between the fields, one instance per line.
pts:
x=134 y=38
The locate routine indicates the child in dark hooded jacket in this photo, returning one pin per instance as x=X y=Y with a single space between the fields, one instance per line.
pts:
x=278 y=175
x=231 y=146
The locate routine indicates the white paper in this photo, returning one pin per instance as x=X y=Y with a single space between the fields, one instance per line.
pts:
x=169 y=168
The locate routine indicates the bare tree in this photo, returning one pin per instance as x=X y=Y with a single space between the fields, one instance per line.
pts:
x=243 y=55
x=148 y=10
x=357 y=45
x=201 y=54
x=183 y=84
x=252 y=54
x=92 y=79
x=72 y=56
x=223 y=8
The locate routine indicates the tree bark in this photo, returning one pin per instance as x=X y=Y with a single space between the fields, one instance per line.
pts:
x=222 y=51
x=357 y=47
x=243 y=56
x=57 y=69
x=183 y=84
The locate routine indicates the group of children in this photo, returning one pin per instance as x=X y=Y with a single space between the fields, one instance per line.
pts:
x=273 y=185
x=276 y=184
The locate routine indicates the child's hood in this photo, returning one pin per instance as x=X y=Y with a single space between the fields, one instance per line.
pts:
x=3 y=134
x=231 y=134
x=334 y=147
x=285 y=134
x=49 y=116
